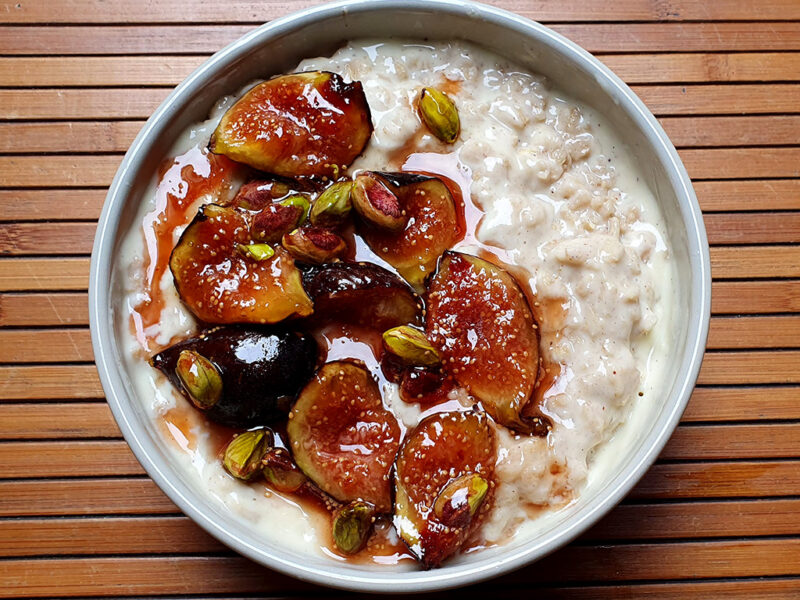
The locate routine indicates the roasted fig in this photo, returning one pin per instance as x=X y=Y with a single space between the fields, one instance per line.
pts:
x=244 y=376
x=480 y=322
x=342 y=437
x=310 y=124
x=431 y=226
x=443 y=483
x=314 y=245
x=361 y=293
x=221 y=284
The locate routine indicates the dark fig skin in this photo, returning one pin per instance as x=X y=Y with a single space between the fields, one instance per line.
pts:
x=311 y=124
x=262 y=370
x=361 y=294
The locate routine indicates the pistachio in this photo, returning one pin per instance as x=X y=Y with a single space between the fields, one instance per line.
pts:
x=256 y=252
x=200 y=379
x=314 y=245
x=411 y=346
x=459 y=500
x=244 y=453
x=333 y=205
x=376 y=203
x=300 y=202
x=439 y=113
x=281 y=472
x=275 y=220
x=352 y=526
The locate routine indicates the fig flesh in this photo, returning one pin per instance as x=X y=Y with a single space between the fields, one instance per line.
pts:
x=480 y=322
x=311 y=124
x=342 y=437
x=443 y=483
x=361 y=294
x=431 y=226
x=223 y=285
x=261 y=371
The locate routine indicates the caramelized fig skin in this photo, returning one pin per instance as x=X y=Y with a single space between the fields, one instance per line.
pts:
x=362 y=294
x=311 y=124
x=221 y=285
x=480 y=322
x=431 y=226
x=342 y=437
x=441 y=449
x=262 y=370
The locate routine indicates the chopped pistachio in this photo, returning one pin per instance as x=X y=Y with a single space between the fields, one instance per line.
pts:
x=376 y=203
x=300 y=202
x=333 y=205
x=352 y=526
x=257 y=252
x=281 y=472
x=200 y=378
x=411 y=345
x=439 y=113
x=244 y=453
x=314 y=245
x=459 y=500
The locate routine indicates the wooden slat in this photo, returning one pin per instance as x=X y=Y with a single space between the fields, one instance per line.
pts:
x=46 y=238
x=754 y=332
x=696 y=520
x=169 y=70
x=743 y=403
x=732 y=589
x=66 y=458
x=737 y=297
x=741 y=163
x=54 y=382
x=58 y=171
x=760 y=262
x=254 y=11
x=44 y=274
x=133 y=103
x=775 y=194
x=63 y=421
x=749 y=479
x=595 y=37
x=38 y=205
x=753 y=228
x=83 y=497
x=723 y=368
x=714 y=442
x=45 y=345
x=731 y=131
x=44 y=309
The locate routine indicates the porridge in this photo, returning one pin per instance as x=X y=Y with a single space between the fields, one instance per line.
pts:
x=499 y=296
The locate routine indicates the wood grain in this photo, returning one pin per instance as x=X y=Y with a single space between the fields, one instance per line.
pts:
x=51 y=382
x=739 y=297
x=44 y=309
x=716 y=442
x=732 y=131
x=764 y=366
x=67 y=459
x=741 y=163
x=59 y=204
x=32 y=274
x=773 y=194
x=62 y=421
x=754 y=332
x=758 y=262
x=743 y=403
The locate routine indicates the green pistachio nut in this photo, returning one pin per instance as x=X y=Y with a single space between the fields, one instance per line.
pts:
x=333 y=206
x=201 y=379
x=352 y=526
x=376 y=203
x=439 y=113
x=281 y=472
x=411 y=346
x=300 y=202
x=256 y=252
x=459 y=500
x=244 y=453
x=314 y=245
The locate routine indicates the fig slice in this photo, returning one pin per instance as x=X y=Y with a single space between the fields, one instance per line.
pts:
x=431 y=225
x=362 y=294
x=240 y=377
x=311 y=124
x=221 y=284
x=480 y=322
x=444 y=480
x=342 y=437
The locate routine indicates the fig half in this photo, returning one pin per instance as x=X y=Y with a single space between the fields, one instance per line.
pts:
x=362 y=294
x=240 y=377
x=221 y=282
x=444 y=476
x=342 y=437
x=480 y=322
x=431 y=225
x=310 y=124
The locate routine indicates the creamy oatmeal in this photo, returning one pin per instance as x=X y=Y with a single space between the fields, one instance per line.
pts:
x=548 y=191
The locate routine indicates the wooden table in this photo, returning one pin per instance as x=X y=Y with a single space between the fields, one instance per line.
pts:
x=718 y=515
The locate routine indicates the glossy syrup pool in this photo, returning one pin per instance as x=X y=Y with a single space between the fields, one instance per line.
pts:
x=198 y=176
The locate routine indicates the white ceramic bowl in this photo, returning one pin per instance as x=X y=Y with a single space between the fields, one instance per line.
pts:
x=279 y=46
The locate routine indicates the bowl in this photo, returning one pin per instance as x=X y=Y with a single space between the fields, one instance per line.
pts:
x=277 y=47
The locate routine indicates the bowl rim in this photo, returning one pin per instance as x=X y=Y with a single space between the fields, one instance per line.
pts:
x=102 y=332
